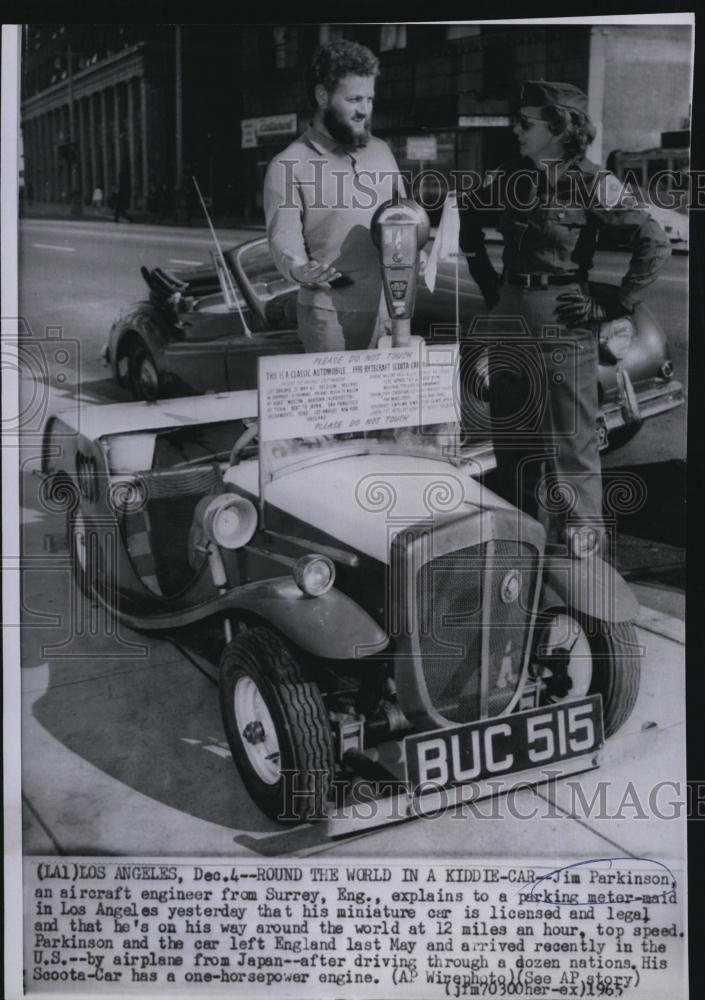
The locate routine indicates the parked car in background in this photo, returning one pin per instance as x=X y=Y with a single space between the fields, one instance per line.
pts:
x=182 y=338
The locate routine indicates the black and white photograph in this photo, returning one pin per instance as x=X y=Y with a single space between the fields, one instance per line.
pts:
x=345 y=382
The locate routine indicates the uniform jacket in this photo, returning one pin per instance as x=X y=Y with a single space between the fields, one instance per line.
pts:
x=551 y=220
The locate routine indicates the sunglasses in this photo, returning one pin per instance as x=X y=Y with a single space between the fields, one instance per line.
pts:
x=525 y=122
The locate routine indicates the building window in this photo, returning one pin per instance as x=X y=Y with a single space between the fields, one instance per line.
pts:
x=499 y=67
x=392 y=36
x=462 y=30
x=285 y=46
x=328 y=33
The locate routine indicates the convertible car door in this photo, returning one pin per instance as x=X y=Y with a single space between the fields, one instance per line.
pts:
x=243 y=353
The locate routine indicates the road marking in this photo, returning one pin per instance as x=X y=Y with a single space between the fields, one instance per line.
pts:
x=165 y=235
x=51 y=246
x=175 y=260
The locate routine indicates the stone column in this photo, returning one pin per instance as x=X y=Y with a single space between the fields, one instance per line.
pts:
x=53 y=158
x=64 y=162
x=116 y=130
x=131 y=142
x=30 y=156
x=86 y=180
x=94 y=150
x=41 y=193
x=145 y=147
x=107 y=182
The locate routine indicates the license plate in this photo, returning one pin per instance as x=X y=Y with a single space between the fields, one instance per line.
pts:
x=479 y=750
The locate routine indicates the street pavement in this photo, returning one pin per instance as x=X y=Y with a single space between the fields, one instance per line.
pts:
x=77 y=275
x=124 y=751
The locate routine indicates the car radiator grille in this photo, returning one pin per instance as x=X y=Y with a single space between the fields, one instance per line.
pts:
x=459 y=602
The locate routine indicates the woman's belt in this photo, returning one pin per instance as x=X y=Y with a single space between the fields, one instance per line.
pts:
x=542 y=280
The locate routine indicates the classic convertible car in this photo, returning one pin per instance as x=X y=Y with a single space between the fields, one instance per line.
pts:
x=398 y=622
x=184 y=338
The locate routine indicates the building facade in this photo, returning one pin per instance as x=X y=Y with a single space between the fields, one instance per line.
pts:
x=104 y=102
x=95 y=111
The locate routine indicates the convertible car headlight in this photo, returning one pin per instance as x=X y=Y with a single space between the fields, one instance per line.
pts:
x=616 y=338
x=314 y=574
x=583 y=541
x=228 y=520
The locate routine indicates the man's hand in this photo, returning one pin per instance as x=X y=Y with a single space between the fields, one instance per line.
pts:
x=314 y=275
x=576 y=309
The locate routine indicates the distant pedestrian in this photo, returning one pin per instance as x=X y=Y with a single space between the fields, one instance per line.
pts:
x=97 y=197
x=121 y=198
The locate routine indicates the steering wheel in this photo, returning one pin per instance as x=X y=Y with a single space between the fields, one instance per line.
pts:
x=247 y=437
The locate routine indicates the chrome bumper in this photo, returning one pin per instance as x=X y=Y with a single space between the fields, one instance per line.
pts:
x=629 y=409
x=632 y=408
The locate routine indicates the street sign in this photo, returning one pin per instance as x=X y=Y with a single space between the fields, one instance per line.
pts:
x=483 y=121
x=422 y=147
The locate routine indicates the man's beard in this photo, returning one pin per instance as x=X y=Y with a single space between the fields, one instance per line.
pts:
x=340 y=130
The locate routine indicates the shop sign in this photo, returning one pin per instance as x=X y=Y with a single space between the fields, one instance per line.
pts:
x=422 y=147
x=483 y=121
x=261 y=131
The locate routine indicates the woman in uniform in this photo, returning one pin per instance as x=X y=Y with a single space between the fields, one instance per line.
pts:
x=550 y=204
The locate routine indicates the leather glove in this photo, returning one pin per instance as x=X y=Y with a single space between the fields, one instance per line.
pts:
x=577 y=309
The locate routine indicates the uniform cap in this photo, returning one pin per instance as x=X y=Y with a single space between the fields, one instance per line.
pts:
x=539 y=93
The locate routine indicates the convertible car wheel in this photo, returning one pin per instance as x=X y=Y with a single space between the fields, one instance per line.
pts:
x=276 y=727
x=88 y=557
x=576 y=656
x=143 y=374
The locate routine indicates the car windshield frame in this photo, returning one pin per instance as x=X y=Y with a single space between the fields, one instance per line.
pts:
x=436 y=442
x=265 y=289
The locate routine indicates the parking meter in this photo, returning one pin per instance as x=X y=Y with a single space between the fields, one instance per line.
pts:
x=400 y=229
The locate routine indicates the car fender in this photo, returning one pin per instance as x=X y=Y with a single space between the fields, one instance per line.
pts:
x=144 y=320
x=332 y=626
x=590 y=586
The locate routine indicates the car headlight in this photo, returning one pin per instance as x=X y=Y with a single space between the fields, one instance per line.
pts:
x=616 y=339
x=583 y=541
x=314 y=574
x=228 y=520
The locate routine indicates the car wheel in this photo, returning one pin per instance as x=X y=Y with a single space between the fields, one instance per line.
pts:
x=575 y=656
x=143 y=374
x=276 y=727
x=83 y=550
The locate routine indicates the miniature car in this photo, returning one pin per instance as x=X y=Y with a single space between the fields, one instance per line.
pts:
x=382 y=615
x=184 y=339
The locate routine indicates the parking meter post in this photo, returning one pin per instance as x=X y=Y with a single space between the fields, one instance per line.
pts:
x=401 y=332
x=400 y=228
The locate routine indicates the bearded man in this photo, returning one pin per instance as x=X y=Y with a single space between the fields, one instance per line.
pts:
x=320 y=194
